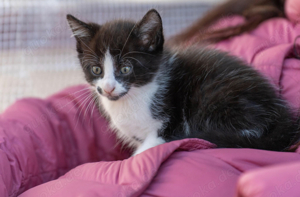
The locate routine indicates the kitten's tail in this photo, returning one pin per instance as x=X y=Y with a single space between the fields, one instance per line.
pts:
x=282 y=137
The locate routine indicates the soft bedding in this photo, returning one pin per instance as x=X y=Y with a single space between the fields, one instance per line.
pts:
x=62 y=147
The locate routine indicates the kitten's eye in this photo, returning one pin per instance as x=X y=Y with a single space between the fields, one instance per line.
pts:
x=126 y=69
x=96 y=70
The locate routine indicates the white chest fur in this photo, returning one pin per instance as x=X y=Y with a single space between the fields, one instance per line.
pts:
x=131 y=115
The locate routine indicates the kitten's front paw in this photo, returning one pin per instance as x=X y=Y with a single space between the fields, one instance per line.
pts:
x=137 y=151
x=148 y=144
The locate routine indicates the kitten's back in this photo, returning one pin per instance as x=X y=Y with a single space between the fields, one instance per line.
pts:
x=226 y=102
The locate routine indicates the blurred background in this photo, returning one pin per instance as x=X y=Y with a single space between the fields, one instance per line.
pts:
x=37 y=54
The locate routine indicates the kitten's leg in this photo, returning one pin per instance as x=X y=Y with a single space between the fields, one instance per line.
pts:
x=151 y=140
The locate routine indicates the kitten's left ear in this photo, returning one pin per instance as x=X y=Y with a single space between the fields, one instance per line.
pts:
x=150 y=31
x=82 y=31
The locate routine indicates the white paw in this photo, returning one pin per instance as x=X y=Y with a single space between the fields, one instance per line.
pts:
x=149 y=143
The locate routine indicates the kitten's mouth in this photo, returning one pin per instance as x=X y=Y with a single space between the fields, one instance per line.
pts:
x=110 y=96
x=114 y=97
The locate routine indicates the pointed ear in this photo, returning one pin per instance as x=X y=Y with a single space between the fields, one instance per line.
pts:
x=82 y=31
x=150 y=31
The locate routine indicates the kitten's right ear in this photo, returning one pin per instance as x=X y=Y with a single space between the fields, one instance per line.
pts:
x=82 y=31
x=150 y=31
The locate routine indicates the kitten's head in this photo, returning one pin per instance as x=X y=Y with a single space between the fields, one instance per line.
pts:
x=120 y=54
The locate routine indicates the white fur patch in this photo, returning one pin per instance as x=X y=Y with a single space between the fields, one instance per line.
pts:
x=108 y=82
x=131 y=115
x=250 y=133
x=186 y=125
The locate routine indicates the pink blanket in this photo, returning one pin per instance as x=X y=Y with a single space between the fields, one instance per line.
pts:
x=62 y=147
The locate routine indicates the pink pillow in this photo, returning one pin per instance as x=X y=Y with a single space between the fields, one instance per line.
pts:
x=292 y=10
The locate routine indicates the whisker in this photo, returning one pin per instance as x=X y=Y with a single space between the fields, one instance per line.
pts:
x=137 y=61
x=116 y=49
x=127 y=40
x=87 y=88
x=89 y=60
x=96 y=100
x=130 y=52
x=81 y=107
x=91 y=102
x=90 y=55
x=89 y=48
x=76 y=97
x=79 y=100
x=134 y=74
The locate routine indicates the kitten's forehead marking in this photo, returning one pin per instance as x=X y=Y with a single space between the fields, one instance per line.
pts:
x=109 y=82
x=108 y=65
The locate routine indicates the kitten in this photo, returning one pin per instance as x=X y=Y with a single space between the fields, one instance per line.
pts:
x=153 y=95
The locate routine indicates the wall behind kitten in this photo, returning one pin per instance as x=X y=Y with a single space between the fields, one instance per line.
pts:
x=37 y=55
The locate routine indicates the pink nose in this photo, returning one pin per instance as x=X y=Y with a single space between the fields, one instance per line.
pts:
x=109 y=89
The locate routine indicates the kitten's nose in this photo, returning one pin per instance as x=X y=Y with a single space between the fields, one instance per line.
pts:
x=108 y=89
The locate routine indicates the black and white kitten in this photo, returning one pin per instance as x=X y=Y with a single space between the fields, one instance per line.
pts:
x=153 y=95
